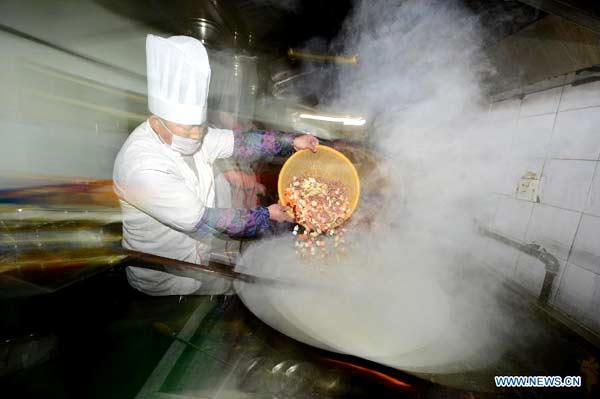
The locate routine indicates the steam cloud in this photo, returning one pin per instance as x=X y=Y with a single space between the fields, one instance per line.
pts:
x=409 y=294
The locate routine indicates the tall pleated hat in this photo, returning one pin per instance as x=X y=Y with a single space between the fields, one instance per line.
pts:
x=178 y=78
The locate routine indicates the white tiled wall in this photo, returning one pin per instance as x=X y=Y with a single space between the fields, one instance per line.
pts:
x=512 y=217
x=580 y=96
x=556 y=136
x=535 y=133
x=576 y=134
x=566 y=183
x=576 y=292
x=543 y=102
x=553 y=228
x=593 y=202
x=585 y=248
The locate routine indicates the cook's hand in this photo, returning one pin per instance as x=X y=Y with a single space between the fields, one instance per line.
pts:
x=306 y=142
x=278 y=213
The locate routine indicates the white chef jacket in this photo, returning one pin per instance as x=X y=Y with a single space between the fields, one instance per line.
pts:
x=162 y=201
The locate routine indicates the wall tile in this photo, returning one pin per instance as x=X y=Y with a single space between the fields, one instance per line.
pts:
x=576 y=291
x=576 y=135
x=533 y=135
x=566 y=183
x=585 y=95
x=593 y=201
x=542 y=102
x=553 y=228
x=512 y=217
x=507 y=109
x=586 y=249
x=572 y=142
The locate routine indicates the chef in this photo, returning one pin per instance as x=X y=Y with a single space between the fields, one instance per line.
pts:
x=163 y=174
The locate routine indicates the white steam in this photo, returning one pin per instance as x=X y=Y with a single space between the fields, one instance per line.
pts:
x=408 y=294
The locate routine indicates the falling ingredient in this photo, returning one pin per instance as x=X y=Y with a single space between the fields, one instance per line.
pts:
x=321 y=206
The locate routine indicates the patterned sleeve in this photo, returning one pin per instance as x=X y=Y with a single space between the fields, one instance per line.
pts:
x=254 y=143
x=234 y=222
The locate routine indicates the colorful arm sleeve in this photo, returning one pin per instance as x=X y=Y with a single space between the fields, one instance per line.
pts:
x=234 y=222
x=254 y=143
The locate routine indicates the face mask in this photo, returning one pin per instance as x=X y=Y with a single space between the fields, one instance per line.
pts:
x=183 y=145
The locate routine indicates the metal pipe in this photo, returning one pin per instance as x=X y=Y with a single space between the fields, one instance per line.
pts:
x=292 y=53
x=551 y=264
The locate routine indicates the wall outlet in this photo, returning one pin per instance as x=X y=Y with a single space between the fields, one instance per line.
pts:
x=528 y=188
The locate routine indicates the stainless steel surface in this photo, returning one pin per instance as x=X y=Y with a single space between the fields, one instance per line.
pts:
x=220 y=357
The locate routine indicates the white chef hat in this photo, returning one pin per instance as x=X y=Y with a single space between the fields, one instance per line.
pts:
x=178 y=78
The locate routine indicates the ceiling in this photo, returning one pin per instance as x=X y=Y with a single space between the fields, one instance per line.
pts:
x=276 y=25
x=255 y=25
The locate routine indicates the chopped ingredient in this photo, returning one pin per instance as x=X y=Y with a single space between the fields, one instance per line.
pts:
x=321 y=206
